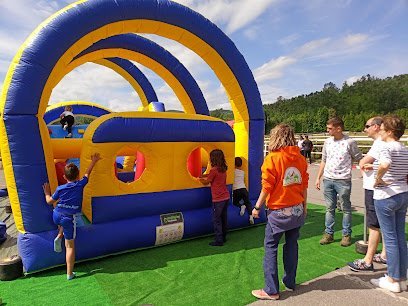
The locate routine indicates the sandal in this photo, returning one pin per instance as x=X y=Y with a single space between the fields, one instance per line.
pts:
x=262 y=295
x=378 y=259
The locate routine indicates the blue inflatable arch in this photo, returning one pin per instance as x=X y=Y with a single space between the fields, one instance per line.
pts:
x=142 y=50
x=45 y=56
x=133 y=75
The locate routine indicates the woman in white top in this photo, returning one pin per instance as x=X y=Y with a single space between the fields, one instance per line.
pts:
x=391 y=201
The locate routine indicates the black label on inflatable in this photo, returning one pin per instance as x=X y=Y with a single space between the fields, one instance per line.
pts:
x=171 y=218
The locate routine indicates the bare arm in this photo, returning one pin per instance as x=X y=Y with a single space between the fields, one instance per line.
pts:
x=47 y=193
x=94 y=159
x=319 y=174
x=382 y=169
x=259 y=203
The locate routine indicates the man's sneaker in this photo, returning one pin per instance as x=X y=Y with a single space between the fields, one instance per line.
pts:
x=345 y=241
x=251 y=220
x=326 y=239
x=72 y=276
x=360 y=265
x=384 y=283
x=65 y=127
x=57 y=245
x=378 y=259
x=242 y=211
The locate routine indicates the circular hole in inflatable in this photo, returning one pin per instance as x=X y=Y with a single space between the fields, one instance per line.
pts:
x=197 y=161
x=129 y=167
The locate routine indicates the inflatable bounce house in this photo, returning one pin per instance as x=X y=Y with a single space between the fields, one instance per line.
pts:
x=161 y=201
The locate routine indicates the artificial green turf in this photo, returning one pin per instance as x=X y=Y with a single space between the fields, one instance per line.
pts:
x=184 y=273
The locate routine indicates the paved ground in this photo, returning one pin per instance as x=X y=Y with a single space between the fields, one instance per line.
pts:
x=340 y=287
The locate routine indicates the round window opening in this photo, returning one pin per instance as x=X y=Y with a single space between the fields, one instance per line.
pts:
x=130 y=166
x=197 y=162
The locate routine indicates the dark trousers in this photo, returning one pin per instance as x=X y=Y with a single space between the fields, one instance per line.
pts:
x=290 y=258
x=308 y=153
x=69 y=120
x=220 y=220
x=241 y=197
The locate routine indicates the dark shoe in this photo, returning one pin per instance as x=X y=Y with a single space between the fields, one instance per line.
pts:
x=215 y=243
x=326 y=239
x=378 y=259
x=360 y=265
x=345 y=241
x=224 y=239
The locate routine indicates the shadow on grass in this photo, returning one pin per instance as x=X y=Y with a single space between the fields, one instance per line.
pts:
x=158 y=257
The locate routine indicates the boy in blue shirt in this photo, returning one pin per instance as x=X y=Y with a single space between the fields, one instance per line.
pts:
x=69 y=197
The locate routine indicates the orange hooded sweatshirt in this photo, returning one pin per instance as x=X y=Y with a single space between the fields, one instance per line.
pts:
x=284 y=177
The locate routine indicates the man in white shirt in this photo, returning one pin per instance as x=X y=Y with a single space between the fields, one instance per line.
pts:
x=339 y=152
x=367 y=165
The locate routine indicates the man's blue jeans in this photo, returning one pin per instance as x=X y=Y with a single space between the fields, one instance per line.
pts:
x=342 y=188
x=391 y=215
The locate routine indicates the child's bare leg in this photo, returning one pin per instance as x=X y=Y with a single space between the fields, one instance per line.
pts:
x=70 y=257
x=58 y=239
x=60 y=232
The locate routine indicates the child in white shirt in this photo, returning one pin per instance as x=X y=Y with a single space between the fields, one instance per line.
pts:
x=240 y=197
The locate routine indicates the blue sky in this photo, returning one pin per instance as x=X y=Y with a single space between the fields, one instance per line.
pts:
x=292 y=47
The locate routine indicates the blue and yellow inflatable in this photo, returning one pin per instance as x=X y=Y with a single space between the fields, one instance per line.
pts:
x=166 y=203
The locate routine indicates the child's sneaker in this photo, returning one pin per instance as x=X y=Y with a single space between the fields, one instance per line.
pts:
x=242 y=212
x=360 y=265
x=378 y=259
x=57 y=245
x=72 y=276
x=65 y=127
x=69 y=135
x=251 y=219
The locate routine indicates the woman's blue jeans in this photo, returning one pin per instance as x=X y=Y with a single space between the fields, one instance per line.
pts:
x=342 y=188
x=391 y=215
x=290 y=258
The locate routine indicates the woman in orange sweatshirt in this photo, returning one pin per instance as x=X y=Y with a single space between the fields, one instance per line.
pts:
x=284 y=189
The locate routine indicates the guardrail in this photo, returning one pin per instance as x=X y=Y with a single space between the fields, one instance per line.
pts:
x=364 y=142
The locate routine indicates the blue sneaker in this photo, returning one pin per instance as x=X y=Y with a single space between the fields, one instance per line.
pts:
x=72 y=276
x=57 y=245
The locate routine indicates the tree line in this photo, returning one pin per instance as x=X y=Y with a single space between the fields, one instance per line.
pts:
x=367 y=97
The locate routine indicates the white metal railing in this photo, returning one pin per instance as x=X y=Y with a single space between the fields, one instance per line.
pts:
x=318 y=141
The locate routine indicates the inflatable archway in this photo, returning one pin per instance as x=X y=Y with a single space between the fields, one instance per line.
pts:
x=26 y=92
x=133 y=75
x=156 y=58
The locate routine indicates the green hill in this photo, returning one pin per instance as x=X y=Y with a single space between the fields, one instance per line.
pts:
x=367 y=97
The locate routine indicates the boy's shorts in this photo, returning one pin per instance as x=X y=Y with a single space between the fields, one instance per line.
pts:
x=67 y=222
x=372 y=220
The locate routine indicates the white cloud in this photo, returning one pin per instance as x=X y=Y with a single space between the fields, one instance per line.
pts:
x=352 y=40
x=289 y=39
x=351 y=80
x=234 y=15
x=273 y=69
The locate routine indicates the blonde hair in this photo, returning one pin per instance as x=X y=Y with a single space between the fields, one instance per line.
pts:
x=281 y=136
